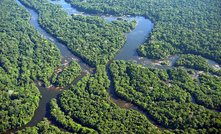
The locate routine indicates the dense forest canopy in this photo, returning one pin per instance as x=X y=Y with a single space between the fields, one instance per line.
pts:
x=66 y=121
x=210 y=93
x=169 y=104
x=196 y=62
x=42 y=128
x=24 y=56
x=89 y=37
x=181 y=26
x=66 y=76
x=89 y=103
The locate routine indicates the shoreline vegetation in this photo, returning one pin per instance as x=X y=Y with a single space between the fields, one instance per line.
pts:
x=188 y=27
x=90 y=37
x=170 y=104
x=43 y=127
x=179 y=26
x=88 y=102
x=24 y=57
x=196 y=62
x=67 y=75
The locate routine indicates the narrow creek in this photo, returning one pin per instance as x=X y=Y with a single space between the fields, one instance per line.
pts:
x=128 y=53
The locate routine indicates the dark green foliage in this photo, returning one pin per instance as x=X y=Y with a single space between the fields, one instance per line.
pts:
x=184 y=27
x=17 y=103
x=88 y=102
x=218 y=72
x=210 y=94
x=190 y=71
x=91 y=38
x=181 y=26
x=42 y=128
x=207 y=94
x=195 y=62
x=65 y=121
x=68 y=74
x=54 y=78
x=120 y=18
x=24 y=57
x=144 y=85
x=28 y=130
x=181 y=78
x=165 y=63
x=169 y=105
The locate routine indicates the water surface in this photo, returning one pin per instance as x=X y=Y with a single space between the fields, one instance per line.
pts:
x=128 y=53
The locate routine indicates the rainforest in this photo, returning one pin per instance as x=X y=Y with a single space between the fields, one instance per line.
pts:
x=116 y=66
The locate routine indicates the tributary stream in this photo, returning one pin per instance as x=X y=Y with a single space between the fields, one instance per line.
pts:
x=128 y=53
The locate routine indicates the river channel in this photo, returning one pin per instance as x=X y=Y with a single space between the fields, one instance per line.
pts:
x=128 y=53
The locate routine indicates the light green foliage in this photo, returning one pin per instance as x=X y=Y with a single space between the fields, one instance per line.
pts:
x=24 y=57
x=68 y=74
x=91 y=38
x=65 y=121
x=195 y=62
x=42 y=128
x=210 y=93
x=165 y=63
x=190 y=71
x=88 y=103
x=207 y=94
x=180 y=26
x=54 y=78
x=28 y=130
x=168 y=105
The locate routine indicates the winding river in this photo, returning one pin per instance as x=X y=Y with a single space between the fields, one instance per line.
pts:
x=128 y=53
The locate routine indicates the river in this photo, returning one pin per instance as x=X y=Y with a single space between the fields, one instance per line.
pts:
x=128 y=53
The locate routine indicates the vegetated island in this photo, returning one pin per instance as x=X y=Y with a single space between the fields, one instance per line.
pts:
x=66 y=76
x=89 y=37
x=147 y=87
x=196 y=62
x=179 y=26
x=89 y=103
x=24 y=57
x=170 y=104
